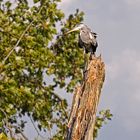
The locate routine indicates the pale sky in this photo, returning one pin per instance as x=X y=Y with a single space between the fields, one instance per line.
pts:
x=117 y=23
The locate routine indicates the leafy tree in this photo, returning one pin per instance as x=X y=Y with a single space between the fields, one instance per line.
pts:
x=32 y=49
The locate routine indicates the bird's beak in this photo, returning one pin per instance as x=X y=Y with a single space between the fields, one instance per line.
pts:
x=74 y=29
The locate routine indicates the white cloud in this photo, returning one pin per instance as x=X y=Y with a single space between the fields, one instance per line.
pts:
x=127 y=63
x=113 y=70
x=123 y=78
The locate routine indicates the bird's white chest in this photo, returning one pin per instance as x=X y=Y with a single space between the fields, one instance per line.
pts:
x=90 y=36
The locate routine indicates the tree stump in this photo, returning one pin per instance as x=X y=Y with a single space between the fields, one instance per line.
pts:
x=85 y=102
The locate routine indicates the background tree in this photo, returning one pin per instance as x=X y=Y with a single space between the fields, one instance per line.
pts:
x=31 y=50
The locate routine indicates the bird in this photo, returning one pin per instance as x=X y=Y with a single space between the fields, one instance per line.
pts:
x=87 y=38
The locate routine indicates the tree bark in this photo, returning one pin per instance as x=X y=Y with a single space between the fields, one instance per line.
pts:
x=85 y=102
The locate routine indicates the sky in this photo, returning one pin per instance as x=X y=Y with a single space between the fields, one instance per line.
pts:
x=117 y=23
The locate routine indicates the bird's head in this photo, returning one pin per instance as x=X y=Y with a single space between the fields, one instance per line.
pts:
x=76 y=28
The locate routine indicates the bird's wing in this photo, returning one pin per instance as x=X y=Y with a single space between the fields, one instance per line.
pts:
x=85 y=37
x=93 y=40
x=94 y=34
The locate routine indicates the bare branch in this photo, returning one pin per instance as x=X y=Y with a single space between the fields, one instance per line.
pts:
x=9 y=126
x=22 y=134
x=22 y=35
x=17 y=42
x=35 y=127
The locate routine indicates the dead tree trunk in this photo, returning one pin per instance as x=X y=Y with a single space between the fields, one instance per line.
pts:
x=85 y=102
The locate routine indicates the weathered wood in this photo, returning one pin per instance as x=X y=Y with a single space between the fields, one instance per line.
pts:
x=85 y=102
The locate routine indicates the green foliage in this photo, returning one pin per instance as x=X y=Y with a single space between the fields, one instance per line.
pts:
x=103 y=117
x=3 y=136
x=28 y=51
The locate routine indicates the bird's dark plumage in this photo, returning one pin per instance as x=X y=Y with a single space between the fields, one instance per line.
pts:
x=87 y=38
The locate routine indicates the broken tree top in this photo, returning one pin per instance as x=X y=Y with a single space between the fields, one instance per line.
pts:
x=85 y=102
